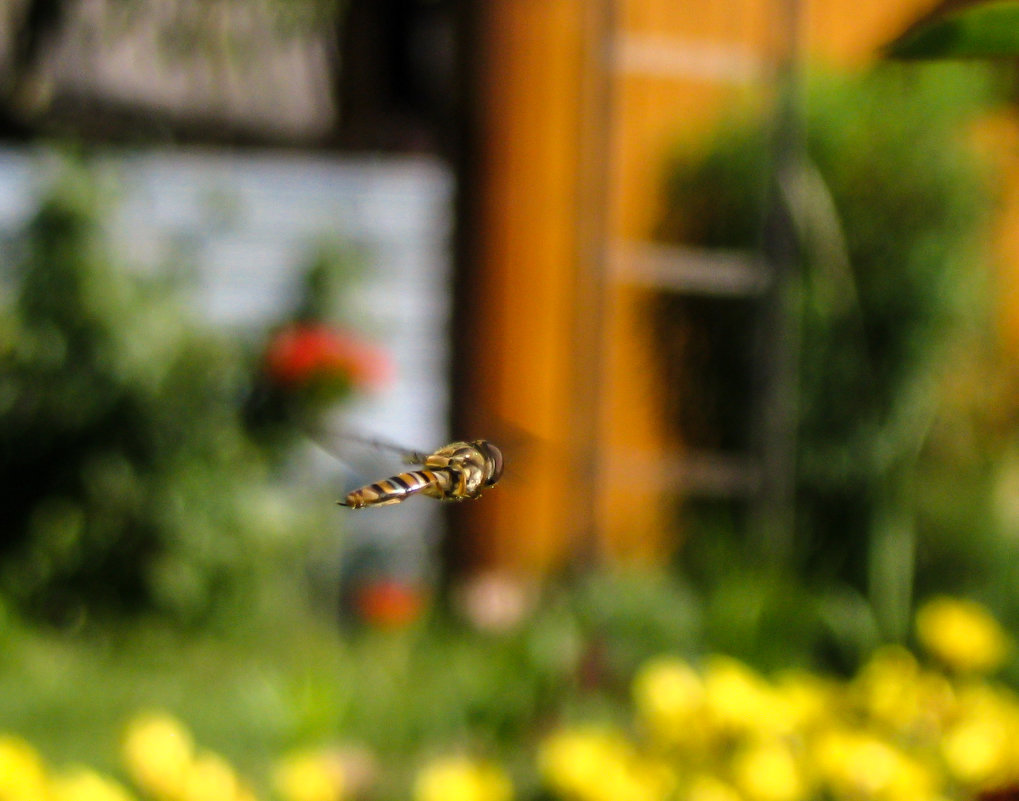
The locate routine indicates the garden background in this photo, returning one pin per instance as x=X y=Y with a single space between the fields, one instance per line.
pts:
x=732 y=288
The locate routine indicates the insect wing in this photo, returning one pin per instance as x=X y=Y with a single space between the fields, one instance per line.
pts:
x=364 y=452
x=370 y=462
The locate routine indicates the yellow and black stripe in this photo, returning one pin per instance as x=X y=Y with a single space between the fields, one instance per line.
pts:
x=456 y=472
x=398 y=488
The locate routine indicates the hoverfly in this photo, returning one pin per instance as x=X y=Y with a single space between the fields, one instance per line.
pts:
x=459 y=471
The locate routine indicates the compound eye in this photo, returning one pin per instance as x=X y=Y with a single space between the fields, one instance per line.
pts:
x=495 y=455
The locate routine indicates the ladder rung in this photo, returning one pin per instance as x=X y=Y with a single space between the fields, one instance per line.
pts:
x=701 y=271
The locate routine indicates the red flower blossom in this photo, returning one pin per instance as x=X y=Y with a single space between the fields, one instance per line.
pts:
x=304 y=353
x=389 y=604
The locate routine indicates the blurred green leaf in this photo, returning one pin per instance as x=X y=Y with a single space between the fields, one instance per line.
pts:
x=985 y=30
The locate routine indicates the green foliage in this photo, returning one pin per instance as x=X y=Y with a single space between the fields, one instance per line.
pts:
x=980 y=30
x=884 y=287
x=296 y=680
x=912 y=204
x=631 y=615
x=438 y=691
x=127 y=481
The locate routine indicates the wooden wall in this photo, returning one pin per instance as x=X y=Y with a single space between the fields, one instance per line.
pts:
x=578 y=104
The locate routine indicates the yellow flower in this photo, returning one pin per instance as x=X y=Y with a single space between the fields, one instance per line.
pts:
x=741 y=701
x=809 y=700
x=84 y=784
x=895 y=693
x=914 y=780
x=571 y=760
x=209 y=777
x=669 y=696
x=962 y=634
x=975 y=748
x=936 y=702
x=598 y=764
x=887 y=688
x=461 y=779
x=980 y=745
x=857 y=764
x=704 y=787
x=308 y=776
x=768 y=771
x=157 y=751
x=22 y=775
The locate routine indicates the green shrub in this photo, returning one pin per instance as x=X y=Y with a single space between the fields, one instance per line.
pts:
x=911 y=200
x=127 y=481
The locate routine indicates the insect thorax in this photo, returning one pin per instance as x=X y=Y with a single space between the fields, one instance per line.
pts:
x=465 y=463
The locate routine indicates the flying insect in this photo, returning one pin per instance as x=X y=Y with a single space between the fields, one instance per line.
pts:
x=459 y=471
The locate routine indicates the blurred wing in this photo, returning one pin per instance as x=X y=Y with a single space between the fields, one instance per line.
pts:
x=519 y=446
x=366 y=454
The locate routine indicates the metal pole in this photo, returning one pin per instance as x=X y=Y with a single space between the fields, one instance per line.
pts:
x=779 y=333
x=593 y=189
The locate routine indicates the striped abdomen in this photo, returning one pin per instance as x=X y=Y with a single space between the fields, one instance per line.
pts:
x=400 y=487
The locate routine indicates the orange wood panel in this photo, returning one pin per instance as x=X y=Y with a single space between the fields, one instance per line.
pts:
x=677 y=67
x=529 y=154
x=845 y=33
